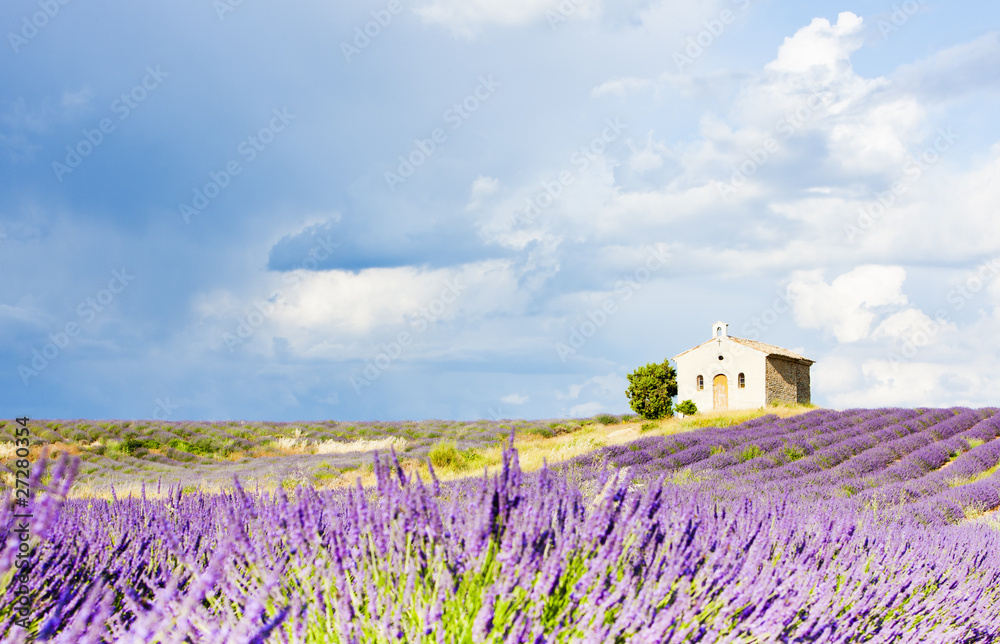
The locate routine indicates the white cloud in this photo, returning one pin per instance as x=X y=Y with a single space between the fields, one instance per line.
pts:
x=820 y=45
x=928 y=384
x=649 y=157
x=515 y=399
x=482 y=188
x=621 y=87
x=910 y=323
x=586 y=410
x=847 y=306
x=343 y=315
x=914 y=360
x=834 y=374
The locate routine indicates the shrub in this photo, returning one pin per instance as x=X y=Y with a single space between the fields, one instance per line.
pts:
x=793 y=452
x=448 y=456
x=688 y=408
x=607 y=419
x=445 y=455
x=749 y=452
x=201 y=447
x=544 y=432
x=651 y=390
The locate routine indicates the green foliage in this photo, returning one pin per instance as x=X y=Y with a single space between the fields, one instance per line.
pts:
x=749 y=452
x=651 y=390
x=688 y=408
x=448 y=456
x=607 y=419
x=544 y=432
x=133 y=446
x=200 y=447
x=793 y=452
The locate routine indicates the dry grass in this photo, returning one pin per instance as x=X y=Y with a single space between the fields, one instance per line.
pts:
x=965 y=480
x=55 y=450
x=991 y=519
x=533 y=451
x=296 y=445
x=397 y=443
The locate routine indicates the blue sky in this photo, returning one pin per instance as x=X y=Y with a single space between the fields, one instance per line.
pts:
x=479 y=208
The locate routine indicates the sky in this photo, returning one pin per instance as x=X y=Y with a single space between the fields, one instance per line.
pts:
x=465 y=209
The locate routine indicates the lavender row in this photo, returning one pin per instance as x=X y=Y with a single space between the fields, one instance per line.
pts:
x=712 y=448
x=509 y=559
x=876 y=452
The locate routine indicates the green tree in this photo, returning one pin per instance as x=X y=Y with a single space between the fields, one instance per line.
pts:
x=688 y=408
x=651 y=390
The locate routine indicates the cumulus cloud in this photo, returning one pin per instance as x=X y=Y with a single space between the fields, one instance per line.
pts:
x=820 y=46
x=515 y=399
x=339 y=314
x=848 y=306
x=908 y=323
x=914 y=359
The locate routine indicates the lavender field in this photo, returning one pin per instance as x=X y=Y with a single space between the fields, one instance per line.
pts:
x=125 y=454
x=829 y=526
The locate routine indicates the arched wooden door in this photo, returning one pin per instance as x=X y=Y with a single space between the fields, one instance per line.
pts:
x=720 y=392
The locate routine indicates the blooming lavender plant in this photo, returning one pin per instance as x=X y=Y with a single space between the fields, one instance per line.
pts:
x=766 y=546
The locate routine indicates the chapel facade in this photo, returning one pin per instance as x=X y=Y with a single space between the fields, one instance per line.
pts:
x=735 y=373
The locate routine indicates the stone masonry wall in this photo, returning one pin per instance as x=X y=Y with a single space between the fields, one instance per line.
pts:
x=787 y=381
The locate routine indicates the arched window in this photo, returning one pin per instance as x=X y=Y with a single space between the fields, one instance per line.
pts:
x=701 y=383
x=743 y=381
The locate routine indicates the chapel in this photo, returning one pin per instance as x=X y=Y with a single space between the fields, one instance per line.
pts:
x=727 y=372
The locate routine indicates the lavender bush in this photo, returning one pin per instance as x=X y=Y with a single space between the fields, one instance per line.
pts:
x=835 y=527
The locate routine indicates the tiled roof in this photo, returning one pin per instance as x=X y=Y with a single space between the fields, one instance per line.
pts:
x=769 y=349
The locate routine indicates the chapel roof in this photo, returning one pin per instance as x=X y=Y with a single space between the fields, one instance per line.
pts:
x=763 y=347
